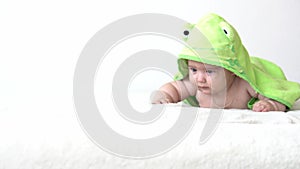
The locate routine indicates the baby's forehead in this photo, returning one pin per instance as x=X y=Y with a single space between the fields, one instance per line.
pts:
x=202 y=65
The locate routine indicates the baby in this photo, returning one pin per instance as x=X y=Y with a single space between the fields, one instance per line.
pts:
x=214 y=87
x=228 y=79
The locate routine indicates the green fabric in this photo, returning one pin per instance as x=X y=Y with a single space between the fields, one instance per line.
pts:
x=251 y=102
x=227 y=51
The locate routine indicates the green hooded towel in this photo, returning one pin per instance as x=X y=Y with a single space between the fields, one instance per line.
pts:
x=225 y=49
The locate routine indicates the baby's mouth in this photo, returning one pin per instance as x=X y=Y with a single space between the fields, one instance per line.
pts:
x=203 y=87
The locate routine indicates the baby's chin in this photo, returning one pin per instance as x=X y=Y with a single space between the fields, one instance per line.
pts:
x=205 y=90
x=209 y=91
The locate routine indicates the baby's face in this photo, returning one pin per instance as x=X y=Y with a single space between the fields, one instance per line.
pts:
x=209 y=79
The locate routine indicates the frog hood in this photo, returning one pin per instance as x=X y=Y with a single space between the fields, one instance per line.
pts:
x=224 y=48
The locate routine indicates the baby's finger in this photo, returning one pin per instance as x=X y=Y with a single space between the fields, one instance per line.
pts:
x=163 y=101
x=258 y=107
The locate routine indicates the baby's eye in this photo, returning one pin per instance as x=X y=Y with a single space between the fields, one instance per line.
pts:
x=193 y=70
x=209 y=71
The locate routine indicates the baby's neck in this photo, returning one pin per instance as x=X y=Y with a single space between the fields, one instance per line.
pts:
x=228 y=90
x=224 y=98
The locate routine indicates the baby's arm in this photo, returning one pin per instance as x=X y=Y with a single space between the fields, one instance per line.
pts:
x=265 y=104
x=173 y=92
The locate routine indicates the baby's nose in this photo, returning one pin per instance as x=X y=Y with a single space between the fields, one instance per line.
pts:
x=201 y=77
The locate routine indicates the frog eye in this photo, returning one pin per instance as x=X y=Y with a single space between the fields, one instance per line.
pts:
x=227 y=30
x=186 y=32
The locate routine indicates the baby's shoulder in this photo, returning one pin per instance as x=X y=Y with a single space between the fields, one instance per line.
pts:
x=244 y=85
x=188 y=86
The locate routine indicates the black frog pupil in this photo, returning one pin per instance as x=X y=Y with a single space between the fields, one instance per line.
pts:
x=186 y=32
x=225 y=31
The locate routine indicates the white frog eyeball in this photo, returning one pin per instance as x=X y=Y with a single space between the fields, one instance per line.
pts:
x=227 y=30
x=186 y=34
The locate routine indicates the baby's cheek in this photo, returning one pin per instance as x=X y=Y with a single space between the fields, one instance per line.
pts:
x=192 y=78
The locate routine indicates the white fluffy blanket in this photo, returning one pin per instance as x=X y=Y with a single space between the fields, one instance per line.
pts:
x=243 y=139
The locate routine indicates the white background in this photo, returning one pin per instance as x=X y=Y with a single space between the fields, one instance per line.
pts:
x=40 y=42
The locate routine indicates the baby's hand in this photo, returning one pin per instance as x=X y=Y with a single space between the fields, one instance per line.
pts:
x=160 y=97
x=263 y=106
